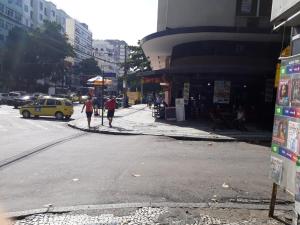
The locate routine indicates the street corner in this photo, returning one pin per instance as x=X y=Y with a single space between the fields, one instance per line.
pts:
x=150 y=215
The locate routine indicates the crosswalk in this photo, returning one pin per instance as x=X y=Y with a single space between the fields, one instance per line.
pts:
x=20 y=124
x=11 y=120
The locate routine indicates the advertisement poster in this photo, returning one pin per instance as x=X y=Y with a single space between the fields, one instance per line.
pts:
x=280 y=131
x=186 y=93
x=276 y=170
x=283 y=93
x=286 y=130
x=295 y=92
x=293 y=136
x=222 y=92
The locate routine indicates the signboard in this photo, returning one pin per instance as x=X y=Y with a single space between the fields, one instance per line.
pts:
x=110 y=75
x=170 y=113
x=180 y=109
x=222 y=92
x=186 y=92
x=286 y=130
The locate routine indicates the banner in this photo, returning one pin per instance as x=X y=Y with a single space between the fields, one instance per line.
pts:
x=222 y=92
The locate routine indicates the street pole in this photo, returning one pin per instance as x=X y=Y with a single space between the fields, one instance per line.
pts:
x=102 y=90
x=125 y=79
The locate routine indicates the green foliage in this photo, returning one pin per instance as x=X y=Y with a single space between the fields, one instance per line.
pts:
x=30 y=55
x=88 y=67
x=137 y=61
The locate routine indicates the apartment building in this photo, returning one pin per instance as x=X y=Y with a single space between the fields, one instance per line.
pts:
x=110 y=54
x=206 y=48
x=11 y=12
x=81 y=38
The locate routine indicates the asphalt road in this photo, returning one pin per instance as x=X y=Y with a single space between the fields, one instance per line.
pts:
x=99 y=169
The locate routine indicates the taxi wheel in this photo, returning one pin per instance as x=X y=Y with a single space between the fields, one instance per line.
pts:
x=26 y=114
x=59 y=115
x=67 y=117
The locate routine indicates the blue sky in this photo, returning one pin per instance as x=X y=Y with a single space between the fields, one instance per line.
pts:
x=128 y=20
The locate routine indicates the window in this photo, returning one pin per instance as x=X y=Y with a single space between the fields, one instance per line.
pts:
x=53 y=13
x=41 y=6
x=10 y=1
x=51 y=102
x=1 y=23
x=8 y=26
x=26 y=8
x=9 y=12
x=68 y=103
x=31 y=3
x=40 y=102
x=19 y=3
x=41 y=17
x=2 y=39
x=246 y=7
x=58 y=102
x=1 y=7
x=18 y=17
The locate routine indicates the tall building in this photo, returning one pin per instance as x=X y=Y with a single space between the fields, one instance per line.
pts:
x=11 y=15
x=81 y=38
x=110 y=54
x=286 y=13
x=215 y=52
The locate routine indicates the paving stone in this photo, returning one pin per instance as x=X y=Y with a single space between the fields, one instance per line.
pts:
x=146 y=216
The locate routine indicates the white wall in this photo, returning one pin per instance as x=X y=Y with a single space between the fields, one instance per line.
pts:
x=281 y=6
x=191 y=13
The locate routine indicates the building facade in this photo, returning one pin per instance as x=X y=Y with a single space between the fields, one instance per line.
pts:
x=81 y=38
x=28 y=14
x=110 y=54
x=11 y=15
x=286 y=16
x=201 y=46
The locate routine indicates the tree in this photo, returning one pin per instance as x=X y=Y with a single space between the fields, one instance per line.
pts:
x=137 y=62
x=30 y=55
x=87 y=67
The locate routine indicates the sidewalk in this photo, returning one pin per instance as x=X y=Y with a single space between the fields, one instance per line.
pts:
x=138 y=120
x=156 y=216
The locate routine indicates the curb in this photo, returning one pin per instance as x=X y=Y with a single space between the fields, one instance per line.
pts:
x=186 y=138
x=23 y=214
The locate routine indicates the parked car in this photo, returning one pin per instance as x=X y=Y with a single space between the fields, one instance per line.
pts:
x=12 y=95
x=83 y=99
x=23 y=100
x=60 y=108
x=3 y=98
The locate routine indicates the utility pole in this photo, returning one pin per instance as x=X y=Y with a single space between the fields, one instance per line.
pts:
x=102 y=93
x=125 y=80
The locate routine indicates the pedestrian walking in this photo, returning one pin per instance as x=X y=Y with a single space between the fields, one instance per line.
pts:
x=88 y=105
x=111 y=106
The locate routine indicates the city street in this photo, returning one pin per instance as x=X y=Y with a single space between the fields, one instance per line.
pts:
x=76 y=168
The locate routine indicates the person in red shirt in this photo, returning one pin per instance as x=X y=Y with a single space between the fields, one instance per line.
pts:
x=111 y=106
x=88 y=105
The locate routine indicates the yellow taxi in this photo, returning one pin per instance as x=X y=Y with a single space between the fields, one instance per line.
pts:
x=60 y=108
